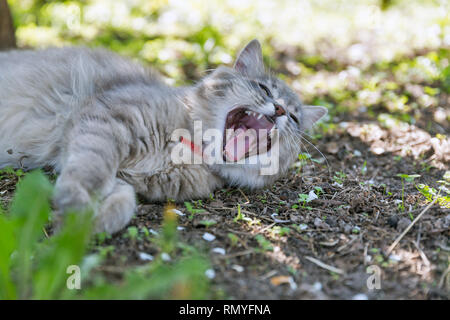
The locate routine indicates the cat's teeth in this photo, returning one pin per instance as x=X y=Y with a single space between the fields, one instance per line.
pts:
x=248 y=112
x=260 y=116
x=254 y=114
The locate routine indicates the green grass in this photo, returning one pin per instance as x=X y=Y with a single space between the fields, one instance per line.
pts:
x=34 y=266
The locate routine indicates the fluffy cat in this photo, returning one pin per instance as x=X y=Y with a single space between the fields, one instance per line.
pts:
x=105 y=125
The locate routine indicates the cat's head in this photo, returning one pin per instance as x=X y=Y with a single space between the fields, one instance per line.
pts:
x=259 y=118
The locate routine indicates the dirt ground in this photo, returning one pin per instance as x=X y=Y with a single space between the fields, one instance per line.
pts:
x=322 y=248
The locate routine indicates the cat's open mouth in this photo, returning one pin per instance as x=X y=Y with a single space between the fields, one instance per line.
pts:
x=246 y=133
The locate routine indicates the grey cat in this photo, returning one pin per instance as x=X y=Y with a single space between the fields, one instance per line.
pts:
x=105 y=124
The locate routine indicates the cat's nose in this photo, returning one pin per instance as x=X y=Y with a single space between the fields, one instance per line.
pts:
x=279 y=110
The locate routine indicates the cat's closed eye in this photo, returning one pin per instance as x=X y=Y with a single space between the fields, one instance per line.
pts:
x=265 y=89
x=294 y=118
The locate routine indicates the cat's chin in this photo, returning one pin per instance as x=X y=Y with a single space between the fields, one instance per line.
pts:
x=246 y=134
x=241 y=175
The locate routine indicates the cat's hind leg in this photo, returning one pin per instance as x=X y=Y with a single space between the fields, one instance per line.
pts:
x=116 y=210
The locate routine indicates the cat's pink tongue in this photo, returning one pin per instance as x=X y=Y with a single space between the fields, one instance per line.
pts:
x=239 y=145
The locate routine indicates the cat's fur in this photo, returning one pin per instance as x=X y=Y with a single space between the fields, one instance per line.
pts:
x=105 y=123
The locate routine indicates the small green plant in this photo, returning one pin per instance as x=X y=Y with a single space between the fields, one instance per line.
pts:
x=303 y=198
x=233 y=238
x=240 y=216
x=263 y=199
x=318 y=190
x=207 y=223
x=364 y=168
x=102 y=237
x=280 y=231
x=263 y=243
x=11 y=172
x=190 y=208
x=193 y=211
x=431 y=193
x=339 y=177
x=407 y=178
x=303 y=158
x=384 y=186
x=132 y=233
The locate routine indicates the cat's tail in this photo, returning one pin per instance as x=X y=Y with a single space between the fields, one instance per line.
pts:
x=82 y=75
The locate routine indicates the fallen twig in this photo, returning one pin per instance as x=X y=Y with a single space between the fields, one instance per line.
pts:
x=237 y=254
x=324 y=266
x=400 y=237
x=243 y=194
x=441 y=281
x=422 y=254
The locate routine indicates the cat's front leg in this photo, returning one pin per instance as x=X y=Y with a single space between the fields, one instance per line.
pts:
x=116 y=209
x=93 y=152
x=112 y=212
x=85 y=179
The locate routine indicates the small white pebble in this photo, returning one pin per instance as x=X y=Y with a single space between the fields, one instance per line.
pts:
x=318 y=222
x=208 y=236
x=395 y=257
x=180 y=228
x=360 y=296
x=145 y=256
x=303 y=226
x=343 y=124
x=165 y=256
x=339 y=185
x=311 y=196
x=219 y=251
x=237 y=268
x=178 y=212
x=153 y=232
x=317 y=286
x=210 y=273
x=357 y=153
x=292 y=283
x=378 y=150
x=273 y=215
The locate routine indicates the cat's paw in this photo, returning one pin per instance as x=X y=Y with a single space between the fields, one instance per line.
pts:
x=70 y=196
x=116 y=210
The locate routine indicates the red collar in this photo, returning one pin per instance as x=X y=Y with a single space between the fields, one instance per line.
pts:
x=194 y=148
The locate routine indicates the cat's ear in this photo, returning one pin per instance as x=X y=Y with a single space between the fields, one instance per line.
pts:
x=250 y=61
x=312 y=114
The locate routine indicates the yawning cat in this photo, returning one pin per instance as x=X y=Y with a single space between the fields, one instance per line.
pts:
x=106 y=125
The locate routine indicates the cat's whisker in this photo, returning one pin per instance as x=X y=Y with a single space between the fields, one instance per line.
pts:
x=323 y=156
